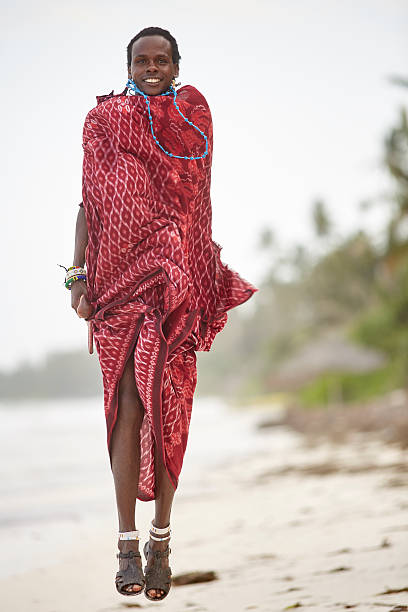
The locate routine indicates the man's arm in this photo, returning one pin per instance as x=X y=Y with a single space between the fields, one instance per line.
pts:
x=81 y=238
x=79 y=301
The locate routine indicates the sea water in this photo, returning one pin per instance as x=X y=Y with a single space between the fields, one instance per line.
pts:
x=55 y=473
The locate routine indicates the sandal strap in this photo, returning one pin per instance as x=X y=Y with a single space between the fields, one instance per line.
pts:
x=129 y=555
x=129 y=535
x=156 y=554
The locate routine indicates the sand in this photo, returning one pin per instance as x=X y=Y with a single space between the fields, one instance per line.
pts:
x=316 y=527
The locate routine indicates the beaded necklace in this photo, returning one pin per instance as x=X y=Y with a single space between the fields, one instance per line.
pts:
x=132 y=85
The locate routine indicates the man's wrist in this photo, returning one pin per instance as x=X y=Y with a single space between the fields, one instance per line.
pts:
x=74 y=273
x=78 y=280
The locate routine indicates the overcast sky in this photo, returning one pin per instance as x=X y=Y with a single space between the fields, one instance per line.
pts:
x=300 y=99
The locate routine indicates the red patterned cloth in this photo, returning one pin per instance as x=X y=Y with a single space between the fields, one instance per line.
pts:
x=154 y=274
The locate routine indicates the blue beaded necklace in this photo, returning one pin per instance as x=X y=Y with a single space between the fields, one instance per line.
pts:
x=132 y=85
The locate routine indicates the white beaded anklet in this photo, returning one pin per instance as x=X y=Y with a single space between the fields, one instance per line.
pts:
x=129 y=535
x=159 y=531
x=159 y=539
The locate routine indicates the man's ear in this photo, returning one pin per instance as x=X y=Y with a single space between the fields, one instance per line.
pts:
x=129 y=74
x=176 y=72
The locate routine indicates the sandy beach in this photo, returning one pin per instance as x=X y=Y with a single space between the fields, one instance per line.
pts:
x=284 y=524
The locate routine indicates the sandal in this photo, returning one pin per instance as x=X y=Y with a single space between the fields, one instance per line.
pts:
x=133 y=574
x=157 y=577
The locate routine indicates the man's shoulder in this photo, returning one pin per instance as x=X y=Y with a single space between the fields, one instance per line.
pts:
x=102 y=101
x=192 y=95
x=102 y=98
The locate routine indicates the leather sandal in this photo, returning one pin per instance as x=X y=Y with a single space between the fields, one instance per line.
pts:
x=157 y=577
x=133 y=574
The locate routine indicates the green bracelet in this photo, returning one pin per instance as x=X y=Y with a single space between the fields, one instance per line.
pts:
x=72 y=280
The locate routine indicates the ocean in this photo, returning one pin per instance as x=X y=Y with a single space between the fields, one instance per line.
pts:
x=55 y=478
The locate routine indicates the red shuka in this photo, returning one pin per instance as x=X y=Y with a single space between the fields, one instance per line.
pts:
x=154 y=275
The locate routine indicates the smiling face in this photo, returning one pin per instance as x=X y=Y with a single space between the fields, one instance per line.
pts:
x=152 y=67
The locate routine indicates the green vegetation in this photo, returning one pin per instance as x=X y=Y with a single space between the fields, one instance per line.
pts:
x=347 y=387
x=357 y=287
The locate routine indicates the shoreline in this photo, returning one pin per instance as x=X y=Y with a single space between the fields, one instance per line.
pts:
x=320 y=526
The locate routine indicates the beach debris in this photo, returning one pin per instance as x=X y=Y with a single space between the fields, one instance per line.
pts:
x=334 y=570
x=263 y=557
x=270 y=422
x=395 y=482
x=397 y=528
x=290 y=590
x=394 y=591
x=296 y=605
x=194 y=578
x=327 y=468
x=385 y=543
x=341 y=551
x=378 y=416
x=341 y=568
x=399 y=609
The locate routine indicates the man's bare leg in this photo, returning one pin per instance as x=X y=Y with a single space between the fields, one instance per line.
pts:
x=125 y=453
x=163 y=503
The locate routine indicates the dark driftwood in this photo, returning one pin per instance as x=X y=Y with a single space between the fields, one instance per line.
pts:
x=194 y=578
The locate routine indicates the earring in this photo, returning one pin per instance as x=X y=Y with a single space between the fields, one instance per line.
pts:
x=174 y=84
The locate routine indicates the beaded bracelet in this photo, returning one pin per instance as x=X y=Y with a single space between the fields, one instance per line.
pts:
x=71 y=269
x=72 y=279
x=73 y=273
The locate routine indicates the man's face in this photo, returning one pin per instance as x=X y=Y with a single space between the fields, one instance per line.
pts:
x=152 y=67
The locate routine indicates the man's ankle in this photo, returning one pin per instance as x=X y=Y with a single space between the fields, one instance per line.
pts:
x=128 y=544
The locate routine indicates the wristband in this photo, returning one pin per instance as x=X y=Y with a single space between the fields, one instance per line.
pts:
x=71 y=280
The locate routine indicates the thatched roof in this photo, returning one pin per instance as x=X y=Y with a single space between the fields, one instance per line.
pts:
x=328 y=354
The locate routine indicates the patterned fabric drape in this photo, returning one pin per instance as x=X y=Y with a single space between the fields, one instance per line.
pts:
x=155 y=278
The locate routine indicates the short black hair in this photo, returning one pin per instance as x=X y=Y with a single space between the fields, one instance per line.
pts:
x=153 y=31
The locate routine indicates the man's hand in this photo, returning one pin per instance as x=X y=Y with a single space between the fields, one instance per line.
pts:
x=79 y=299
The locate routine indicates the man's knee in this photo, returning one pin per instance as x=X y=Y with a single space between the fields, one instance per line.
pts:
x=130 y=405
